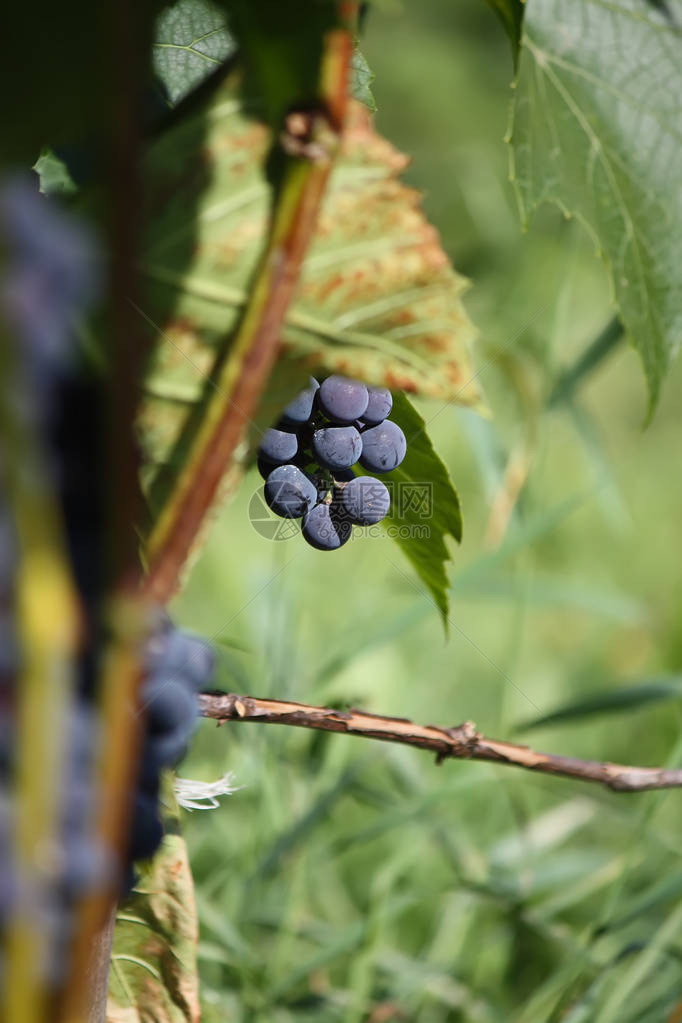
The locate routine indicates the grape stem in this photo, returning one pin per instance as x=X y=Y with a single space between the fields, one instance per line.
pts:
x=242 y=372
x=462 y=742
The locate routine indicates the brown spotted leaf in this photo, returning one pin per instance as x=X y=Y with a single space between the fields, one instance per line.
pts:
x=154 y=976
x=378 y=298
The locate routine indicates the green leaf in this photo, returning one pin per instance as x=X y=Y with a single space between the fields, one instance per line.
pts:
x=596 y=129
x=361 y=81
x=510 y=13
x=609 y=701
x=191 y=39
x=425 y=507
x=378 y=298
x=55 y=178
x=154 y=959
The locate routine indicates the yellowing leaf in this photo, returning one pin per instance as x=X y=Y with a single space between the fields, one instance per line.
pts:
x=153 y=973
x=378 y=297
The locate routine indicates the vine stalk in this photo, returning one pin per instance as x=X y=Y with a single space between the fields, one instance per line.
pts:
x=462 y=742
x=310 y=140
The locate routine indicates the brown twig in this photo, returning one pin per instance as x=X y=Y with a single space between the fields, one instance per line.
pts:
x=463 y=742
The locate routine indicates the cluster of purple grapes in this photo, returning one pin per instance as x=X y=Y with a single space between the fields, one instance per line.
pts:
x=8 y=662
x=78 y=863
x=178 y=665
x=41 y=292
x=307 y=459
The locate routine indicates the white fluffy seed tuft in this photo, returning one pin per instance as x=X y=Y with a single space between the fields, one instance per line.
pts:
x=203 y=795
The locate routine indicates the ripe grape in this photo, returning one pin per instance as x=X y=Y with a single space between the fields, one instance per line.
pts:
x=337 y=447
x=383 y=447
x=334 y=425
x=278 y=446
x=365 y=500
x=343 y=400
x=289 y=492
x=51 y=272
x=379 y=406
x=326 y=528
x=300 y=409
x=169 y=705
x=87 y=865
x=180 y=654
x=146 y=831
x=178 y=664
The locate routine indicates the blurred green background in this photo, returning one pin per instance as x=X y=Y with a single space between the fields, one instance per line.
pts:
x=349 y=880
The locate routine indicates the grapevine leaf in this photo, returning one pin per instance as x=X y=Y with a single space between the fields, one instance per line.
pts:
x=191 y=40
x=425 y=507
x=55 y=176
x=510 y=13
x=596 y=129
x=280 y=43
x=378 y=298
x=361 y=81
x=154 y=959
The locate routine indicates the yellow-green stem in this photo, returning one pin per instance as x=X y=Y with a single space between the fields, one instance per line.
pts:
x=47 y=626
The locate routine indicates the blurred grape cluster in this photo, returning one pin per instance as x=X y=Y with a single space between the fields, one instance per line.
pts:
x=53 y=408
